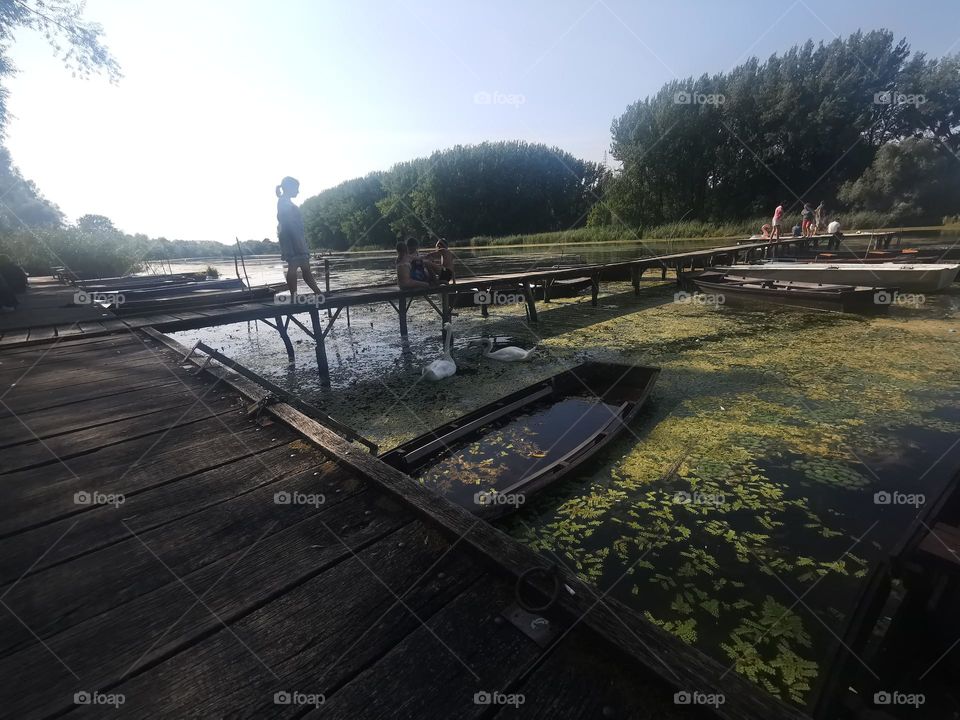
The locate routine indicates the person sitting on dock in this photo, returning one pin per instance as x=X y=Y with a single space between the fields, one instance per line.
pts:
x=765 y=231
x=445 y=259
x=777 y=219
x=293 y=244
x=421 y=269
x=405 y=279
x=797 y=231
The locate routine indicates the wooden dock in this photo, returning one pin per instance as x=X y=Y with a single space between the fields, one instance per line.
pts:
x=166 y=553
x=190 y=312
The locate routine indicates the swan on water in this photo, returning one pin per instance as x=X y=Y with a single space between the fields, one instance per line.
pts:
x=443 y=366
x=507 y=354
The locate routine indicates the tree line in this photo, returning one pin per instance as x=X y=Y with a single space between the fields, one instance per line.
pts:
x=491 y=189
x=860 y=123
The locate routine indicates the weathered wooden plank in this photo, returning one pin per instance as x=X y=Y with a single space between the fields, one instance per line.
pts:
x=50 y=399
x=581 y=680
x=73 y=344
x=663 y=654
x=43 y=375
x=422 y=678
x=99 y=411
x=63 y=448
x=64 y=595
x=13 y=337
x=58 y=542
x=43 y=333
x=42 y=495
x=163 y=630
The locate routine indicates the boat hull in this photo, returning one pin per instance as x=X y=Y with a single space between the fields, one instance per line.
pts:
x=617 y=393
x=907 y=278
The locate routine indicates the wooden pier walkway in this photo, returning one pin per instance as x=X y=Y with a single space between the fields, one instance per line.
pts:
x=166 y=554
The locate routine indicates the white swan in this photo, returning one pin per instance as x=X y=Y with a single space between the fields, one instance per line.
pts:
x=443 y=366
x=507 y=354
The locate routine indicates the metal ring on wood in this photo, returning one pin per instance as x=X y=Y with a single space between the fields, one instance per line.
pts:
x=551 y=573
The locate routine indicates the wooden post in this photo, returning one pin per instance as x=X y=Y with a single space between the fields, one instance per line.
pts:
x=635 y=272
x=485 y=307
x=402 y=310
x=663 y=271
x=320 y=341
x=282 y=329
x=326 y=278
x=594 y=289
x=446 y=315
x=546 y=289
x=531 y=306
x=679 y=273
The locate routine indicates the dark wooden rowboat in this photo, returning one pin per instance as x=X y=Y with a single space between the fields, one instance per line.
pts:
x=842 y=298
x=528 y=439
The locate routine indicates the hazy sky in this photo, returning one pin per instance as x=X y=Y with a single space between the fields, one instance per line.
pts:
x=220 y=99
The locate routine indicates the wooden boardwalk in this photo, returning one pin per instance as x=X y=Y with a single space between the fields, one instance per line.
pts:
x=165 y=552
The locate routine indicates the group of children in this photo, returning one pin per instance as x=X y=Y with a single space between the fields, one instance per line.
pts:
x=813 y=221
x=415 y=270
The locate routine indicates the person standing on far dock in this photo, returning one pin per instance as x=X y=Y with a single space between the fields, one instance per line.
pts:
x=819 y=217
x=293 y=244
x=807 y=215
x=777 y=219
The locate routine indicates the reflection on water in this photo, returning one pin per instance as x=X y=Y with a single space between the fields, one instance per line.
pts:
x=749 y=480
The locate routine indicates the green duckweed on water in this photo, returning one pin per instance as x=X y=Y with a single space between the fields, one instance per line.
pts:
x=738 y=511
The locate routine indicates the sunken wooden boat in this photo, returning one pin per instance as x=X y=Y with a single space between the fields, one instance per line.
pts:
x=491 y=461
x=908 y=277
x=842 y=298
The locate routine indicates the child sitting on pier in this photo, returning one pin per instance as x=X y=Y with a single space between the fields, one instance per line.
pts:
x=405 y=279
x=445 y=260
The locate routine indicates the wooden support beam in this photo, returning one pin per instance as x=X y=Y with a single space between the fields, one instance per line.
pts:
x=531 y=306
x=401 y=309
x=282 y=329
x=484 y=308
x=594 y=289
x=636 y=272
x=546 y=289
x=323 y=367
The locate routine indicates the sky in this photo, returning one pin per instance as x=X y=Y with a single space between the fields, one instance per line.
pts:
x=221 y=99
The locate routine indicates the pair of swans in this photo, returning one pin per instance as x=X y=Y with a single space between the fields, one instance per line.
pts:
x=444 y=366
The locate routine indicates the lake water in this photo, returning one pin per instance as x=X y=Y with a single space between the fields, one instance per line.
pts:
x=756 y=475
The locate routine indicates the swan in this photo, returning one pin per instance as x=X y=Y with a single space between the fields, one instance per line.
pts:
x=443 y=366
x=507 y=354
